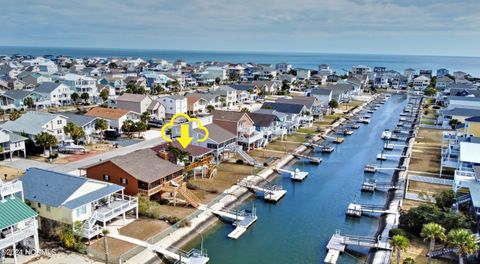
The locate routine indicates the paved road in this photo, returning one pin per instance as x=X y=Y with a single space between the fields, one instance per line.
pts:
x=73 y=166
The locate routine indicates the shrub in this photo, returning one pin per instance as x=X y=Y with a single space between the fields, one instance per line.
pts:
x=184 y=223
x=445 y=199
x=397 y=231
x=408 y=261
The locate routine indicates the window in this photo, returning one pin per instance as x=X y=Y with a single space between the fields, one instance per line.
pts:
x=59 y=122
x=48 y=208
x=39 y=205
x=59 y=131
x=81 y=211
x=106 y=177
x=123 y=181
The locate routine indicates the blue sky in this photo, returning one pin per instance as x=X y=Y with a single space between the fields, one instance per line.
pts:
x=431 y=27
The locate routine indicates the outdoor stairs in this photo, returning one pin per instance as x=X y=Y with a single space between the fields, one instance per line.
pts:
x=91 y=221
x=189 y=196
x=245 y=156
x=441 y=252
x=463 y=199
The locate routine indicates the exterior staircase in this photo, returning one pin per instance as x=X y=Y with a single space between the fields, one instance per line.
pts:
x=463 y=199
x=440 y=252
x=189 y=196
x=245 y=156
x=89 y=228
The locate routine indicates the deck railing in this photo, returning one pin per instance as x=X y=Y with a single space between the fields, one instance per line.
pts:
x=29 y=230
x=126 y=203
x=9 y=188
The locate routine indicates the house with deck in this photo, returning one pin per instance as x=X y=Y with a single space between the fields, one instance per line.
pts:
x=143 y=172
x=86 y=123
x=294 y=113
x=11 y=144
x=54 y=93
x=269 y=124
x=240 y=124
x=18 y=222
x=63 y=198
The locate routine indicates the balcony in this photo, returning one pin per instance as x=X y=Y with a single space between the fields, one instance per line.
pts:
x=246 y=130
x=9 y=188
x=29 y=229
x=117 y=207
x=252 y=138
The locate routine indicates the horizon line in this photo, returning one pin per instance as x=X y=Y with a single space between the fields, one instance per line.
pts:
x=232 y=51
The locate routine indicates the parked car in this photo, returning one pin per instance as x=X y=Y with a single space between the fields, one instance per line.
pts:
x=68 y=146
x=155 y=123
x=111 y=134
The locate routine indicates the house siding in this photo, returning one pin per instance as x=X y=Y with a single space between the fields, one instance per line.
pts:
x=115 y=173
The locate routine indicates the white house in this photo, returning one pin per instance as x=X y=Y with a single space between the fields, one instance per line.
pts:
x=174 y=104
x=18 y=222
x=421 y=82
x=55 y=93
x=12 y=143
x=303 y=74
x=81 y=84
x=68 y=199
x=214 y=72
x=141 y=103
x=116 y=116
x=32 y=123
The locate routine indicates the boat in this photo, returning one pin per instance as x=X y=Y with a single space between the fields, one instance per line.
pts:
x=355 y=126
x=69 y=146
x=370 y=168
x=386 y=134
x=327 y=149
x=347 y=132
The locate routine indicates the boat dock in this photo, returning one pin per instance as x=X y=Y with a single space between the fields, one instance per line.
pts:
x=355 y=209
x=372 y=168
x=241 y=219
x=323 y=148
x=372 y=186
x=338 y=243
x=311 y=159
x=296 y=175
x=272 y=193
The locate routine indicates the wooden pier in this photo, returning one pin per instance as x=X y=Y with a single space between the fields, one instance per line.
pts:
x=241 y=219
x=372 y=168
x=323 y=148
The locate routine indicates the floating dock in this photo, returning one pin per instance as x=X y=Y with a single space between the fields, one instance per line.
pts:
x=357 y=210
x=296 y=175
x=339 y=140
x=271 y=193
x=372 y=186
x=240 y=218
x=338 y=243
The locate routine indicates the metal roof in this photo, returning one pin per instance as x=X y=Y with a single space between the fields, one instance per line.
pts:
x=31 y=122
x=13 y=211
x=54 y=188
x=469 y=152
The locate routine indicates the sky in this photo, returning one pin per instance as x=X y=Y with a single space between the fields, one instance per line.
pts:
x=425 y=27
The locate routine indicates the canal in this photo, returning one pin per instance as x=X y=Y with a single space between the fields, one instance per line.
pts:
x=297 y=229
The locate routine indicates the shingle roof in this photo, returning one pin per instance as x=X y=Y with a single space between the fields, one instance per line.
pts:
x=191 y=149
x=284 y=107
x=263 y=120
x=144 y=165
x=473 y=119
x=46 y=87
x=14 y=211
x=79 y=120
x=227 y=115
x=217 y=133
x=17 y=94
x=31 y=122
x=271 y=112
x=462 y=112
x=242 y=87
x=300 y=100
x=107 y=113
x=464 y=98
x=128 y=97
x=321 y=91
x=54 y=189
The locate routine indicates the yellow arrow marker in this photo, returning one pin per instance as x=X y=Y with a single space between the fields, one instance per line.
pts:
x=185 y=139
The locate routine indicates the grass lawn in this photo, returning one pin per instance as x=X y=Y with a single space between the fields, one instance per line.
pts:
x=143 y=228
x=407 y=204
x=431 y=189
x=228 y=174
x=12 y=173
x=308 y=130
x=432 y=137
x=418 y=250
x=296 y=138
x=430 y=123
x=116 y=247
x=283 y=146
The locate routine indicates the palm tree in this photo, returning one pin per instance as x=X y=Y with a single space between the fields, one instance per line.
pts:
x=46 y=140
x=105 y=232
x=102 y=125
x=399 y=244
x=74 y=97
x=14 y=115
x=145 y=116
x=432 y=231
x=464 y=240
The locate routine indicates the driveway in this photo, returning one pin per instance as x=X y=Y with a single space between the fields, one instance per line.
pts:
x=24 y=164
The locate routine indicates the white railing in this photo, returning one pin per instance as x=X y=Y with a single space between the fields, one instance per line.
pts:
x=9 y=188
x=247 y=130
x=126 y=203
x=18 y=235
x=90 y=232
x=250 y=139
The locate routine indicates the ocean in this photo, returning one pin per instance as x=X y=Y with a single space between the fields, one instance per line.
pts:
x=338 y=62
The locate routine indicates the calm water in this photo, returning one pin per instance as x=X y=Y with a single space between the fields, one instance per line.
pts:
x=306 y=60
x=297 y=229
